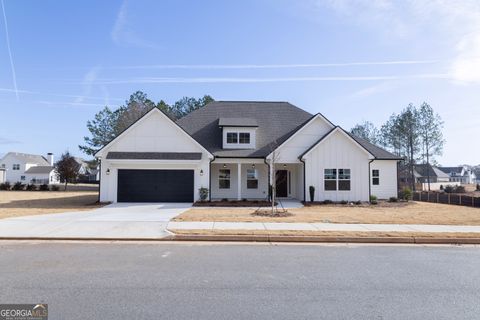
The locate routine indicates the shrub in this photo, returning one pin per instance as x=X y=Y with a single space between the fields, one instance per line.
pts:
x=343 y=202
x=478 y=186
x=203 y=193
x=244 y=199
x=44 y=187
x=5 y=186
x=54 y=188
x=459 y=189
x=327 y=202
x=224 y=200
x=373 y=199
x=393 y=199
x=18 y=186
x=31 y=187
x=358 y=202
x=406 y=194
x=441 y=187
x=449 y=189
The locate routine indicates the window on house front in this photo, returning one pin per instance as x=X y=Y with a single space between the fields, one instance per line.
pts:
x=375 y=177
x=343 y=179
x=16 y=167
x=224 y=179
x=330 y=179
x=245 y=137
x=22 y=178
x=252 y=179
x=3 y=165
x=232 y=137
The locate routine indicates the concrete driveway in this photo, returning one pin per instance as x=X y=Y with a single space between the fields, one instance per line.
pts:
x=115 y=221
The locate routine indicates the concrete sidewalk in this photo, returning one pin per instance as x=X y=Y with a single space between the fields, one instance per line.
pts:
x=277 y=226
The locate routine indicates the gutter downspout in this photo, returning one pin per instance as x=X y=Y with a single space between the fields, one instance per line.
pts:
x=210 y=179
x=304 y=181
x=269 y=185
x=369 y=180
x=99 y=178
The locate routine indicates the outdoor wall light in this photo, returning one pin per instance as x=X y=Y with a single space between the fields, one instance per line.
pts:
x=108 y=171
x=224 y=165
x=201 y=172
x=253 y=166
x=284 y=165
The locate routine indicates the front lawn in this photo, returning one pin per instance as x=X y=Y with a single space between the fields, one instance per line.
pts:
x=383 y=213
x=25 y=203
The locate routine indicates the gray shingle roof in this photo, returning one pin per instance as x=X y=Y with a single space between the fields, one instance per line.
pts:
x=277 y=121
x=376 y=151
x=449 y=170
x=29 y=158
x=237 y=122
x=40 y=169
x=429 y=170
x=154 y=155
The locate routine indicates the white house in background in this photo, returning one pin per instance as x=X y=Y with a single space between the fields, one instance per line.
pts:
x=29 y=168
x=235 y=149
x=3 y=172
x=462 y=174
x=86 y=171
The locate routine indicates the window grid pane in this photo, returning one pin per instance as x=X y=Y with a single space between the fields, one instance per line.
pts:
x=232 y=137
x=244 y=137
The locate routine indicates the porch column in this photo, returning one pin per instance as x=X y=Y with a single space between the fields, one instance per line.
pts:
x=239 y=181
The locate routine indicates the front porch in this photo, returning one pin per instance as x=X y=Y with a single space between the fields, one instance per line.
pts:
x=237 y=179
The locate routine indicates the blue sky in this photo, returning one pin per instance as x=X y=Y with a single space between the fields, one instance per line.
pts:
x=62 y=61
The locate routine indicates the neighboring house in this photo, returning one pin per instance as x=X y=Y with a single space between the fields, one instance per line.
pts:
x=87 y=171
x=3 y=173
x=422 y=174
x=425 y=171
x=461 y=174
x=28 y=168
x=235 y=149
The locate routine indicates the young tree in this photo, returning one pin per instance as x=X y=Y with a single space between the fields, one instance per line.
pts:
x=67 y=169
x=430 y=126
x=366 y=130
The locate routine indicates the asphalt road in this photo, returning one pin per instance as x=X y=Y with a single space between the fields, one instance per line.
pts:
x=214 y=281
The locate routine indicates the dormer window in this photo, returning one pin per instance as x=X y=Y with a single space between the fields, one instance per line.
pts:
x=232 y=137
x=238 y=133
x=245 y=137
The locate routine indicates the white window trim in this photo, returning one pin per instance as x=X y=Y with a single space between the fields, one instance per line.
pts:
x=238 y=131
x=225 y=179
x=337 y=179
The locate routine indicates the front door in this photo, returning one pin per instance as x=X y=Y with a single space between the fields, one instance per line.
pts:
x=281 y=183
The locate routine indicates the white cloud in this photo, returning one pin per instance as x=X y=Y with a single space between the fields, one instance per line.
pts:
x=87 y=83
x=454 y=24
x=123 y=34
x=144 y=80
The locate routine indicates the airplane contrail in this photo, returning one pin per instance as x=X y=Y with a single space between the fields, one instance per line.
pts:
x=14 y=76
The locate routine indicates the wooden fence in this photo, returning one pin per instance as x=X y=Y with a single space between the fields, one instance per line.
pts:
x=447 y=198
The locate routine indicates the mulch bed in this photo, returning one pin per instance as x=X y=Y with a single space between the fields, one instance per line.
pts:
x=269 y=213
x=232 y=203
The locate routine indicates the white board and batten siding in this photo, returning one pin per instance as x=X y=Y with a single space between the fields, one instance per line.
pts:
x=155 y=132
x=337 y=151
x=303 y=139
x=387 y=186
